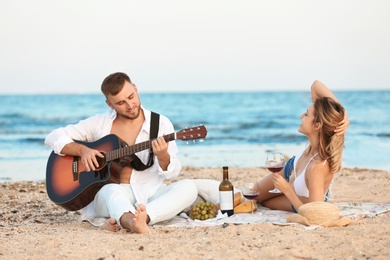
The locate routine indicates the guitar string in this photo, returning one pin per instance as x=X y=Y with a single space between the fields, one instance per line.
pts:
x=128 y=150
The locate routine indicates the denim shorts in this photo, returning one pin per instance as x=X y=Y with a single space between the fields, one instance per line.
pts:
x=288 y=168
x=287 y=173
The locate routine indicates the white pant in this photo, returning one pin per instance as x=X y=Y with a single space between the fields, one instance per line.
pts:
x=113 y=200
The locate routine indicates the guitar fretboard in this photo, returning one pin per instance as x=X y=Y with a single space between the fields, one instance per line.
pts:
x=132 y=149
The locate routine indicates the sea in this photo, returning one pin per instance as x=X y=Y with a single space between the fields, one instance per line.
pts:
x=241 y=127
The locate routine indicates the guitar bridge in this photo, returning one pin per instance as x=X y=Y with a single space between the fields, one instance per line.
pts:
x=75 y=167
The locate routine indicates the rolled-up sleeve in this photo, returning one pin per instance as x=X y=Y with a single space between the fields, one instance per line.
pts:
x=87 y=130
x=174 y=166
x=57 y=139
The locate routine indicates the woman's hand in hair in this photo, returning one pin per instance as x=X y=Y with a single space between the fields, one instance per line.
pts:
x=343 y=125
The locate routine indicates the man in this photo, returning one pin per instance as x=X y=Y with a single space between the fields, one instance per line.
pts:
x=141 y=199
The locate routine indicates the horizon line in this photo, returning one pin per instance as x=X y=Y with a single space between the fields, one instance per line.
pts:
x=187 y=92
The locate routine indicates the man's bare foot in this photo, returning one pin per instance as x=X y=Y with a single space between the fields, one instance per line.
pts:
x=111 y=225
x=137 y=222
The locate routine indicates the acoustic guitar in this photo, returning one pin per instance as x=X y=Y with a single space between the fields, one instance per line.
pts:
x=70 y=186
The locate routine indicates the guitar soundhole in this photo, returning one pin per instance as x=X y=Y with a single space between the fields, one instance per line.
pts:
x=101 y=161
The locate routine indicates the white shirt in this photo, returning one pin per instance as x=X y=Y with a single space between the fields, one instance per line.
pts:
x=144 y=183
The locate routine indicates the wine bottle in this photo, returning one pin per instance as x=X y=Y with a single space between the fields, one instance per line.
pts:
x=226 y=194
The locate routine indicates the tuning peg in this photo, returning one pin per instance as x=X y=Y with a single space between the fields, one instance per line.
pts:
x=201 y=140
x=186 y=142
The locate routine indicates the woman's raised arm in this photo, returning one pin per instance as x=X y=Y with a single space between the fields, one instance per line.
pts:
x=319 y=90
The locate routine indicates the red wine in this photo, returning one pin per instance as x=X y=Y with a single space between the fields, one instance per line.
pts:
x=250 y=196
x=275 y=169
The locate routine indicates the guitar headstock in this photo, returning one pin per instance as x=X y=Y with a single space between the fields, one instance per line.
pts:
x=193 y=133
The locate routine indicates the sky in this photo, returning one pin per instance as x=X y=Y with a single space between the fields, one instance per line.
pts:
x=69 y=46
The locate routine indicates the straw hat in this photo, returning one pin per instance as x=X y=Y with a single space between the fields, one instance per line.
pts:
x=319 y=213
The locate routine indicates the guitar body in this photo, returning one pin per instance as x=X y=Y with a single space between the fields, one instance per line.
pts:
x=69 y=185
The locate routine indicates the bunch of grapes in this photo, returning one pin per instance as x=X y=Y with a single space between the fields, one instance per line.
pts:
x=203 y=210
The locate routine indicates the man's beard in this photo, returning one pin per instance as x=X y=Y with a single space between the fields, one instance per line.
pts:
x=138 y=111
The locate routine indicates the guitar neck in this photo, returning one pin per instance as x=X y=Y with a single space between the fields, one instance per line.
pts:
x=132 y=149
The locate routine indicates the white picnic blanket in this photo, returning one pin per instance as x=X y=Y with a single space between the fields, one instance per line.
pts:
x=278 y=217
x=264 y=215
x=208 y=191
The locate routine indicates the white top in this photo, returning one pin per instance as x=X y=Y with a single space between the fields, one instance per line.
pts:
x=145 y=183
x=300 y=186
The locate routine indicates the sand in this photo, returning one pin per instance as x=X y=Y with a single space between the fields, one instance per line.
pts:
x=32 y=227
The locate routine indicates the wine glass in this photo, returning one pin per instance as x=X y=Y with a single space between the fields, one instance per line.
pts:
x=250 y=192
x=274 y=163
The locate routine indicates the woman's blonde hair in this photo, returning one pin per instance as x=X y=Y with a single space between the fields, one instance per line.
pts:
x=329 y=114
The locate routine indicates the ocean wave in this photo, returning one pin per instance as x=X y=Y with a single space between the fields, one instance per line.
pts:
x=15 y=140
x=16 y=119
x=386 y=135
x=254 y=139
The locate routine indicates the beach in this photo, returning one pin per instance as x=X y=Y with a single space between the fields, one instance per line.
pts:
x=32 y=227
x=232 y=82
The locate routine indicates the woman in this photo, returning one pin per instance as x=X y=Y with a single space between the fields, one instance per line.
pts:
x=308 y=176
